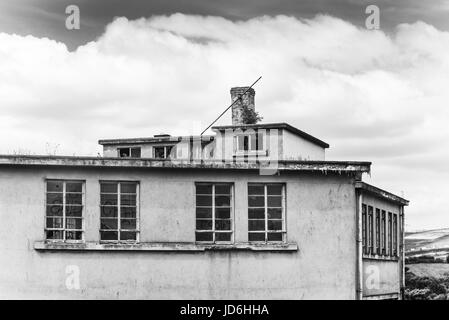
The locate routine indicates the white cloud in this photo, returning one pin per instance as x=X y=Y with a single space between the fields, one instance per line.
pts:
x=372 y=96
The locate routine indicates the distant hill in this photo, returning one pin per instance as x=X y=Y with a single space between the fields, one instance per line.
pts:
x=428 y=241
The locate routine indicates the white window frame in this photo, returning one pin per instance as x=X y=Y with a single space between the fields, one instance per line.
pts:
x=64 y=209
x=213 y=231
x=284 y=222
x=119 y=230
x=166 y=154
x=260 y=151
x=130 y=155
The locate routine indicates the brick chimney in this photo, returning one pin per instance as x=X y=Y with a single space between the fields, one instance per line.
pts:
x=246 y=100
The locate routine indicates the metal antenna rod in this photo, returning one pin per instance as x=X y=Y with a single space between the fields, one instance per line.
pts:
x=231 y=105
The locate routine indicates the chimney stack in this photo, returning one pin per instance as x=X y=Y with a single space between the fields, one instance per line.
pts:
x=246 y=100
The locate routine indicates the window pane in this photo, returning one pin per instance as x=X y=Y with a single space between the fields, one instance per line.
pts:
x=256 y=201
x=253 y=142
x=223 y=213
x=256 y=225
x=135 y=152
x=108 y=187
x=253 y=236
x=256 y=213
x=128 y=212
x=109 y=235
x=274 y=201
x=260 y=141
x=54 y=186
x=74 y=198
x=203 y=224
x=74 y=187
x=128 y=187
x=204 y=212
x=55 y=223
x=223 y=236
x=55 y=235
x=108 y=199
x=123 y=152
x=274 y=224
x=109 y=211
x=54 y=198
x=128 y=200
x=222 y=201
x=222 y=224
x=254 y=189
x=204 y=201
x=274 y=189
x=129 y=224
x=75 y=211
x=74 y=223
x=159 y=152
x=275 y=236
x=240 y=142
x=128 y=235
x=54 y=211
x=204 y=236
x=274 y=213
x=203 y=189
x=223 y=189
x=109 y=224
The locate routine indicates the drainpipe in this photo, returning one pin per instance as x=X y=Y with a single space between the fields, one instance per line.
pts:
x=359 y=253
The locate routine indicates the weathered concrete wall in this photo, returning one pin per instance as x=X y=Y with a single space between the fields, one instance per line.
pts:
x=320 y=217
x=297 y=148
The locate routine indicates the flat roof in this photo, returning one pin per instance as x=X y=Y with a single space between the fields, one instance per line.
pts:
x=109 y=162
x=154 y=139
x=280 y=125
x=381 y=193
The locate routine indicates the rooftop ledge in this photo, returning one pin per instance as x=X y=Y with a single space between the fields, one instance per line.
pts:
x=281 y=165
x=175 y=246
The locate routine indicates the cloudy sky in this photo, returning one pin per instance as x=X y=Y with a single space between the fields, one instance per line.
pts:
x=167 y=67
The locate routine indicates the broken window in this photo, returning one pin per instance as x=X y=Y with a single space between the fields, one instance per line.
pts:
x=132 y=152
x=266 y=212
x=119 y=211
x=64 y=210
x=164 y=152
x=214 y=214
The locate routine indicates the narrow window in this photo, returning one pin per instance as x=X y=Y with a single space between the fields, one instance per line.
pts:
x=377 y=231
x=119 y=211
x=64 y=210
x=214 y=212
x=370 y=230
x=390 y=234
x=395 y=235
x=266 y=212
x=383 y=234
x=364 y=228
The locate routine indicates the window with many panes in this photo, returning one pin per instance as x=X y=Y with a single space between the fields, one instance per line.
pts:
x=129 y=152
x=266 y=212
x=214 y=213
x=64 y=210
x=249 y=142
x=119 y=205
x=164 y=152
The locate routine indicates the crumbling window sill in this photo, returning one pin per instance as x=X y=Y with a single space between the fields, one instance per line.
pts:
x=167 y=246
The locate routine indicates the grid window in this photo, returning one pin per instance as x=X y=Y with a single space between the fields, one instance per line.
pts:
x=129 y=152
x=214 y=212
x=164 y=152
x=250 y=142
x=119 y=211
x=64 y=210
x=266 y=212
